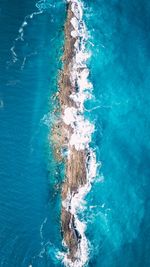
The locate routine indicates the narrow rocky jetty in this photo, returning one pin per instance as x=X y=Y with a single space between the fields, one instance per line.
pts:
x=76 y=160
x=72 y=134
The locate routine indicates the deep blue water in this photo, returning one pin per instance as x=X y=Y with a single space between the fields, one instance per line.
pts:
x=118 y=208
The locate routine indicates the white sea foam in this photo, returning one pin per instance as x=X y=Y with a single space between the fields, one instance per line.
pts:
x=82 y=131
x=81 y=57
x=74 y=34
x=70 y=114
x=82 y=128
x=77 y=10
x=41 y=228
x=81 y=136
x=75 y=23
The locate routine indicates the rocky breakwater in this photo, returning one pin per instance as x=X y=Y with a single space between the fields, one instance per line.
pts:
x=72 y=135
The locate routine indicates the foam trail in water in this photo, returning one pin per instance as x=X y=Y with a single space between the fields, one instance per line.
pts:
x=82 y=130
x=41 y=229
x=21 y=36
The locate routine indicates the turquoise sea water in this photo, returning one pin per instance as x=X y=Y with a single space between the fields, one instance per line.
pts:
x=119 y=223
x=29 y=211
x=117 y=212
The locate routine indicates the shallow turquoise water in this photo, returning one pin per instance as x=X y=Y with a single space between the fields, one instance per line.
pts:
x=117 y=211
